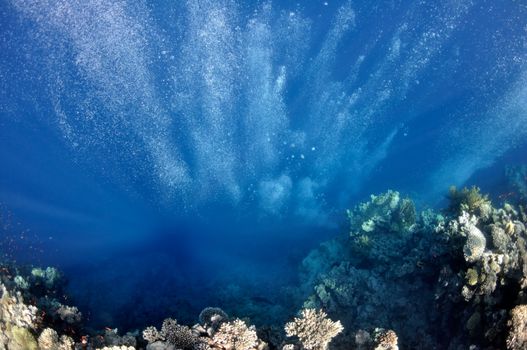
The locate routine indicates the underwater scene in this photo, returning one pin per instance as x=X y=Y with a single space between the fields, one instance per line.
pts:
x=253 y=175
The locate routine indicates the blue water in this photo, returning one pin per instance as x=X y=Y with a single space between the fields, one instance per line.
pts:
x=173 y=147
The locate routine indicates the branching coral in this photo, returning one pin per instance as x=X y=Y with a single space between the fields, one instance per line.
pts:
x=314 y=329
x=58 y=312
x=178 y=335
x=470 y=200
x=69 y=314
x=477 y=256
x=173 y=333
x=14 y=311
x=151 y=334
x=49 y=340
x=235 y=335
x=20 y=322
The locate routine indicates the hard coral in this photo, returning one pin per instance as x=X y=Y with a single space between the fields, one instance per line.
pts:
x=517 y=338
x=49 y=340
x=371 y=275
x=151 y=334
x=212 y=317
x=236 y=335
x=386 y=212
x=475 y=240
x=495 y=277
x=22 y=339
x=385 y=340
x=173 y=333
x=470 y=200
x=13 y=311
x=314 y=329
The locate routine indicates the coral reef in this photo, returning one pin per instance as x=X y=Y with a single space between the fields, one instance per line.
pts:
x=314 y=329
x=469 y=200
x=385 y=340
x=486 y=279
x=379 y=274
x=18 y=321
x=49 y=340
x=33 y=318
x=464 y=270
x=212 y=317
x=395 y=277
x=215 y=331
x=236 y=335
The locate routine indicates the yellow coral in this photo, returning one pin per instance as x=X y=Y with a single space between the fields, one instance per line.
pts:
x=22 y=339
x=509 y=228
x=470 y=200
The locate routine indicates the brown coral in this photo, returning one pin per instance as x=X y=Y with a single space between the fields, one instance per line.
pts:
x=385 y=340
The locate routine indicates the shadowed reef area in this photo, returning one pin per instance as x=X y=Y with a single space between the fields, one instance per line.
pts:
x=394 y=277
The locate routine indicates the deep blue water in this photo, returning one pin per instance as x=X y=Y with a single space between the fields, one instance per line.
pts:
x=164 y=146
